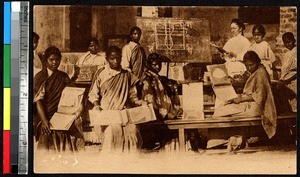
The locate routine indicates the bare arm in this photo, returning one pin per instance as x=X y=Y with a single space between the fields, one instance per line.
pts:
x=41 y=113
x=241 y=98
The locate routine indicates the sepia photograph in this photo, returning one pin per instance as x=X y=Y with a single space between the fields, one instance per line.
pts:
x=164 y=89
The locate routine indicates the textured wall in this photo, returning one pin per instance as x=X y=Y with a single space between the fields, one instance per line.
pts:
x=53 y=23
x=53 y=26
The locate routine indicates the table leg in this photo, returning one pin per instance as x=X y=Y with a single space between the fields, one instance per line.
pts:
x=181 y=139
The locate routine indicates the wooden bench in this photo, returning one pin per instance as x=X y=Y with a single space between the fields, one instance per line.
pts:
x=222 y=122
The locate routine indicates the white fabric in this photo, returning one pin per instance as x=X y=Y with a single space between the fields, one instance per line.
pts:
x=265 y=53
x=239 y=45
x=106 y=74
x=91 y=59
x=289 y=64
x=126 y=55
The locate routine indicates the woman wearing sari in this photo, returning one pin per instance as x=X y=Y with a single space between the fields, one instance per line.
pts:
x=160 y=92
x=134 y=56
x=49 y=84
x=256 y=99
x=113 y=88
x=157 y=90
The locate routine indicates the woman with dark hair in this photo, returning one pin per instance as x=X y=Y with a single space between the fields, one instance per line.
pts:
x=236 y=47
x=113 y=88
x=49 y=84
x=156 y=89
x=289 y=68
x=134 y=56
x=93 y=55
x=262 y=48
x=256 y=99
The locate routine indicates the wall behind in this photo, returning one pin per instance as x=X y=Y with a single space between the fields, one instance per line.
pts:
x=53 y=26
x=52 y=23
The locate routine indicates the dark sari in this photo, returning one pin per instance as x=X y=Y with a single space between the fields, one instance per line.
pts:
x=53 y=86
x=137 y=61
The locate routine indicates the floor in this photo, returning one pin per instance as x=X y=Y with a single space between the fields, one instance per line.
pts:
x=274 y=159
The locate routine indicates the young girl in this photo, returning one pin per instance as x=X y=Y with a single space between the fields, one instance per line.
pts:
x=262 y=48
x=49 y=84
x=289 y=67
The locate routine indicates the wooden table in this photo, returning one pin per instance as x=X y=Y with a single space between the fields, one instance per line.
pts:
x=222 y=122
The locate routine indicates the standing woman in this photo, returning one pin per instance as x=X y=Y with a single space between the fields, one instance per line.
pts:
x=289 y=69
x=236 y=47
x=262 y=48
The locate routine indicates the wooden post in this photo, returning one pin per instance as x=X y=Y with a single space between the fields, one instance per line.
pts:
x=181 y=139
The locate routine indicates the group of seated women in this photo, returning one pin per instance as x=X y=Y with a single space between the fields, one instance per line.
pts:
x=114 y=88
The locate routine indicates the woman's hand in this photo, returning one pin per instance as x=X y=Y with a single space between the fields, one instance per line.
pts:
x=141 y=103
x=235 y=100
x=231 y=55
x=97 y=107
x=46 y=127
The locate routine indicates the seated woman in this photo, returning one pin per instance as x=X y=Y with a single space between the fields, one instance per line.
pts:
x=157 y=89
x=113 y=88
x=49 y=84
x=92 y=56
x=162 y=93
x=257 y=98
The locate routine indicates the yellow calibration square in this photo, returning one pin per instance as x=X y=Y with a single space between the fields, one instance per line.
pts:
x=6 y=116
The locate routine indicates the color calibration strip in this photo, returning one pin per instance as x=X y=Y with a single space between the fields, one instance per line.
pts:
x=15 y=91
x=6 y=87
x=23 y=88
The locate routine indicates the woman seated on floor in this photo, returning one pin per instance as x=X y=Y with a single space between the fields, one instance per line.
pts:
x=256 y=99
